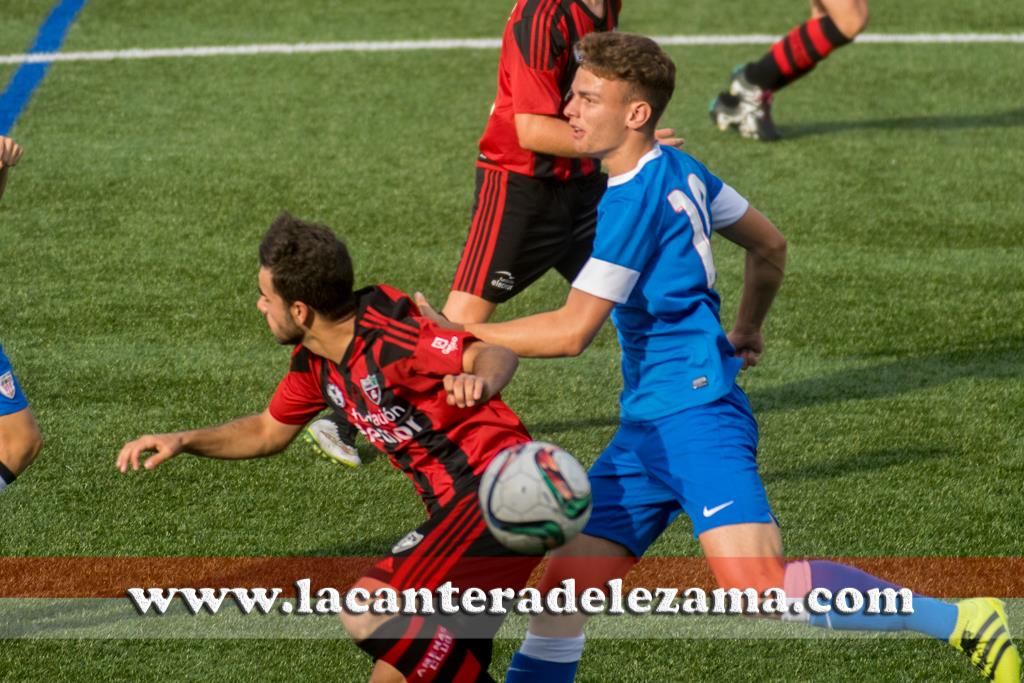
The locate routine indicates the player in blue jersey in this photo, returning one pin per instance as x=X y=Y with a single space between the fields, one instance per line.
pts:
x=20 y=439
x=687 y=440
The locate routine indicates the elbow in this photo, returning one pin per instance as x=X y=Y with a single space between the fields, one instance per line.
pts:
x=575 y=344
x=780 y=247
x=526 y=133
x=774 y=251
x=526 y=140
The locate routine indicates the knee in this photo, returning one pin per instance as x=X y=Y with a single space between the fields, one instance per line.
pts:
x=361 y=626
x=19 y=448
x=853 y=20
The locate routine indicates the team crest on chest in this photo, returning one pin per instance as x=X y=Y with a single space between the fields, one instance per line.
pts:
x=334 y=393
x=371 y=387
x=7 y=384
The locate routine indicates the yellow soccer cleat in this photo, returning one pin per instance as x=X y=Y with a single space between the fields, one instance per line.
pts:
x=983 y=634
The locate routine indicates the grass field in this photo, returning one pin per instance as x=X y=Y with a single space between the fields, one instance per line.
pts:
x=889 y=400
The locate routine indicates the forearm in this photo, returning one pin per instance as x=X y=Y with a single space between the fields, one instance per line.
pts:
x=236 y=440
x=3 y=180
x=496 y=365
x=761 y=281
x=545 y=135
x=544 y=335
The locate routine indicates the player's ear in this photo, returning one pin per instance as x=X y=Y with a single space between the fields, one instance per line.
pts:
x=302 y=315
x=639 y=114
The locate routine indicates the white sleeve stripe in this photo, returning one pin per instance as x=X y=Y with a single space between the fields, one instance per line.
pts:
x=727 y=207
x=606 y=280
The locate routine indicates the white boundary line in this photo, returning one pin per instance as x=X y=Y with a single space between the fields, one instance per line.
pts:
x=460 y=44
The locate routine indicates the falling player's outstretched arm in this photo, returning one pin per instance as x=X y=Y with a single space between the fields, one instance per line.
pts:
x=247 y=437
x=765 y=265
x=486 y=369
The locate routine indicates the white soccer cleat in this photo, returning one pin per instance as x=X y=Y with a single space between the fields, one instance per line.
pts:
x=323 y=436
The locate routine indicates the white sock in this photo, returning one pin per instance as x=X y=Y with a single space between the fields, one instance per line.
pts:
x=560 y=650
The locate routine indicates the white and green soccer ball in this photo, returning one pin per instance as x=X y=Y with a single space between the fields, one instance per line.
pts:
x=535 y=497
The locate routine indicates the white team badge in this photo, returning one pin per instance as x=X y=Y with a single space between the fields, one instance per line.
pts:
x=334 y=393
x=7 y=384
x=371 y=388
x=445 y=345
x=410 y=540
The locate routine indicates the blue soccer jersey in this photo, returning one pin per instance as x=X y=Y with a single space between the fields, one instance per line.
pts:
x=652 y=257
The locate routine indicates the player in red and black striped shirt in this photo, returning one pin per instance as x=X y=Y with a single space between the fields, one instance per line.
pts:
x=536 y=199
x=424 y=395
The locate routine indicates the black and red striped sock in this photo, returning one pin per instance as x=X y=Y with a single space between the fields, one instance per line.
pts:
x=796 y=54
x=426 y=650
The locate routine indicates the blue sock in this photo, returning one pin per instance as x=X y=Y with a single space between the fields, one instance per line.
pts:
x=931 y=617
x=545 y=659
x=526 y=669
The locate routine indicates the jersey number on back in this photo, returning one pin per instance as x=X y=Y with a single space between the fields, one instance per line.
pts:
x=699 y=221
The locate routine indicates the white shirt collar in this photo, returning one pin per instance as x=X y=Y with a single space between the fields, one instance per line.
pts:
x=629 y=175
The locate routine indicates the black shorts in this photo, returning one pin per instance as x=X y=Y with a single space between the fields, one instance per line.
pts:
x=456 y=546
x=522 y=226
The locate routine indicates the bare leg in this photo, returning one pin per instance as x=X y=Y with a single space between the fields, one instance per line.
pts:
x=20 y=440
x=849 y=16
x=463 y=307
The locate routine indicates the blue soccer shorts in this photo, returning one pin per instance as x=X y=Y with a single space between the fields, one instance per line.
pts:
x=702 y=460
x=12 y=398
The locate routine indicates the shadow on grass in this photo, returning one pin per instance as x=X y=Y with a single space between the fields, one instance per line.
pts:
x=540 y=428
x=894 y=378
x=1007 y=119
x=870 y=461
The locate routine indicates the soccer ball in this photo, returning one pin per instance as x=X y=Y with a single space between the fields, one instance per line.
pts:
x=535 y=497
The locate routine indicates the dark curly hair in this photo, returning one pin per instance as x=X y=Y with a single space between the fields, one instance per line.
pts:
x=308 y=263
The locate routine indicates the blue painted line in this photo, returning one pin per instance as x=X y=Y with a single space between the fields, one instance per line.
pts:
x=27 y=78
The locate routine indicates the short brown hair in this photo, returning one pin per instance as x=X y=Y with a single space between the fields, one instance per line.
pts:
x=633 y=59
x=308 y=263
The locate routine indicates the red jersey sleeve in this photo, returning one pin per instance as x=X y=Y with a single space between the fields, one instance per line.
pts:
x=298 y=398
x=538 y=65
x=439 y=350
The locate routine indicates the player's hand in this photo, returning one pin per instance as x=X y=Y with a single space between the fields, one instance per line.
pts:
x=166 y=446
x=667 y=136
x=10 y=152
x=749 y=345
x=465 y=390
x=428 y=312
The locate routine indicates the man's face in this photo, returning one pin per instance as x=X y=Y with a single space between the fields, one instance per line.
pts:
x=598 y=113
x=275 y=310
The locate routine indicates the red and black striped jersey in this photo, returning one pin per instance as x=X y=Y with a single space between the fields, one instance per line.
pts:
x=390 y=385
x=535 y=73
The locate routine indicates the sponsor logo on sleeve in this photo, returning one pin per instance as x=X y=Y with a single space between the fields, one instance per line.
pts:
x=445 y=344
